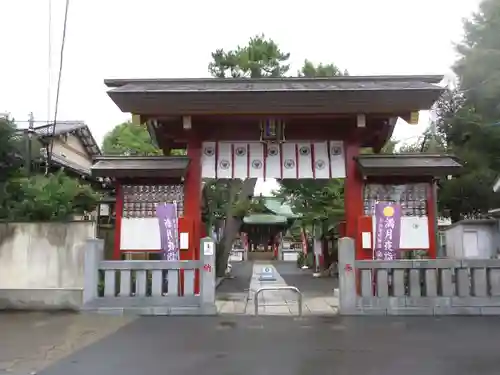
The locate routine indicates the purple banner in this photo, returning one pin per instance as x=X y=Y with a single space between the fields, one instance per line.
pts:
x=167 y=219
x=388 y=230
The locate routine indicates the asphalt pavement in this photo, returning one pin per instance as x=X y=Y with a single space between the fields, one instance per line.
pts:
x=303 y=279
x=268 y=345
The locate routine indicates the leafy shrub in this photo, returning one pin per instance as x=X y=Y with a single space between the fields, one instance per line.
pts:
x=47 y=198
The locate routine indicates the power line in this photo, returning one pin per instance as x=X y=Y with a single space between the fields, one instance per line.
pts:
x=35 y=121
x=61 y=61
x=49 y=61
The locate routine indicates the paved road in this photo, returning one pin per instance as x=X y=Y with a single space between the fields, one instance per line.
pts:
x=309 y=286
x=244 y=345
x=302 y=279
x=241 y=274
x=318 y=295
x=32 y=341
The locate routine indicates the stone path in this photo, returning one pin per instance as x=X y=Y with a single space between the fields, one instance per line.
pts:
x=281 y=302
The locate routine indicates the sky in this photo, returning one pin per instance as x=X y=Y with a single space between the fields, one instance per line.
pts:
x=174 y=39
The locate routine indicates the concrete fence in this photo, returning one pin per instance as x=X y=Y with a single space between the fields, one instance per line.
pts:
x=149 y=287
x=417 y=287
x=41 y=264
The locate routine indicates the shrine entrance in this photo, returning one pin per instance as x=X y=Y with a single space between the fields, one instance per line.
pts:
x=287 y=128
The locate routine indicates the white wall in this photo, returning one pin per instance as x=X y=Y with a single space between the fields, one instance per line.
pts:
x=486 y=236
x=414 y=232
x=72 y=150
x=41 y=264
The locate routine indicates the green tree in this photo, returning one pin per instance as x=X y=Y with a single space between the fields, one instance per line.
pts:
x=315 y=200
x=475 y=142
x=54 y=197
x=261 y=57
x=10 y=156
x=309 y=70
x=468 y=114
x=10 y=161
x=478 y=66
x=129 y=139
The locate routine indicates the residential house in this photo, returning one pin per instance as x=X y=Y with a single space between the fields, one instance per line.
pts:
x=70 y=144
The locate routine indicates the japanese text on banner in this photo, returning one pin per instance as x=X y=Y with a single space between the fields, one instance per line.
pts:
x=388 y=230
x=167 y=220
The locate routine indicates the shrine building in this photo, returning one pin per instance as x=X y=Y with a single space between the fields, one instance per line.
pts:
x=285 y=128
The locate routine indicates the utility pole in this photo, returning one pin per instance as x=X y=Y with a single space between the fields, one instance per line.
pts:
x=28 y=136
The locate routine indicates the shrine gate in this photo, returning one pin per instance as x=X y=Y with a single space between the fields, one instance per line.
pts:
x=285 y=128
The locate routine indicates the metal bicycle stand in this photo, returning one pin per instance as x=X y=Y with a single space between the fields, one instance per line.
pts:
x=277 y=288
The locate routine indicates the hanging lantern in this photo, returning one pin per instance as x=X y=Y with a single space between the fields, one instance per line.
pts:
x=272 y=130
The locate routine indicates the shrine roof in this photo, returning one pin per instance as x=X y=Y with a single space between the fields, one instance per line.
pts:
x=431 y=165
x=140 y=166
x=265 y=219
x=278 y=207
x=275 y=84
x=345 y=94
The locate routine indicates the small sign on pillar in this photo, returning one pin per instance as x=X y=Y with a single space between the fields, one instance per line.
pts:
x=207 y=290
x=208 y=248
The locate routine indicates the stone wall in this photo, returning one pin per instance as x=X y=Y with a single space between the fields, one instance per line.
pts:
x=42 y=264
x=417 y=287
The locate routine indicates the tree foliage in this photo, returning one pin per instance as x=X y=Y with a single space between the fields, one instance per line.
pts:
x=54 y=197
x=309 y=70
x=475 y=142
x=10 y=157
x=478 y=66
x=260 y=58
x=129 y=139
x=468 y=117
x=315 y=200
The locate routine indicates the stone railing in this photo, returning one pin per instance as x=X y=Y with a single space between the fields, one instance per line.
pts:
x=149 y=287
x=417 y=287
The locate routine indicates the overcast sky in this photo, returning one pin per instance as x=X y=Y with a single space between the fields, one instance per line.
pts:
x=161 y=38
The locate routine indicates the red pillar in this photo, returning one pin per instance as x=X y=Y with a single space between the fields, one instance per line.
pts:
x=118 y=220
x=431 y=220
x=353 y=194
x=192 y=202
